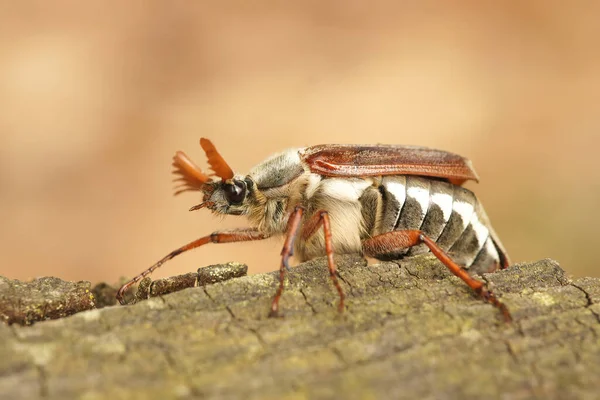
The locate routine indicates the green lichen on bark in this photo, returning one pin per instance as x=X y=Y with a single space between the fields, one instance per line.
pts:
x=410 y=330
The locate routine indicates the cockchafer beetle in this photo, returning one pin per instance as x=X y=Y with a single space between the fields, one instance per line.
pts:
x=381 y=201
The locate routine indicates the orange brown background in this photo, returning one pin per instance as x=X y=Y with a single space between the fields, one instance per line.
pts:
x=95 y=97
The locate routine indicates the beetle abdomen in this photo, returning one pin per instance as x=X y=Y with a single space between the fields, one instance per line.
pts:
x=449 y=214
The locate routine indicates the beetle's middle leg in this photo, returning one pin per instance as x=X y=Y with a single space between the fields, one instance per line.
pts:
x=286 y=253
x=396 y=240
x=321 y=218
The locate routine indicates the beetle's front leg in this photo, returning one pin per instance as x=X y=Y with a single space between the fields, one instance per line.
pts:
x=229 y=236
x=396 y=240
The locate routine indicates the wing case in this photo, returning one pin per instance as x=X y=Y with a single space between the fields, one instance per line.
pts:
x=380 y=160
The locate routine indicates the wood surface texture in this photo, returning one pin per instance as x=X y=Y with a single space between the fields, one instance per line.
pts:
x=410 y=331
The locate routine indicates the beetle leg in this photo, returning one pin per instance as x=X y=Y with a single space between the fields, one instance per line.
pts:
x=309 y=229
x=286 y=253
x=388 y=242
x=239 y=235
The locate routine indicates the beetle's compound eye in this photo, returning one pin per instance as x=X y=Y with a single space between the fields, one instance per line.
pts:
x=235 y=192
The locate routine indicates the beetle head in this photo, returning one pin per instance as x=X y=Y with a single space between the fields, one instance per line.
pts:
x=225 y=196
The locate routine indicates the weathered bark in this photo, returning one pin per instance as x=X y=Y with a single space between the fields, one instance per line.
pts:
x=410 y=330
x=43 y=298
x=50 y=298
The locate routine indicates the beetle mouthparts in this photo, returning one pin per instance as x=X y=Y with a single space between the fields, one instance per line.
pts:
x=208 y=204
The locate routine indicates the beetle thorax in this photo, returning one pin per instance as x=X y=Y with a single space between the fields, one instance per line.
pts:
x=271 y=208
x=276 y=181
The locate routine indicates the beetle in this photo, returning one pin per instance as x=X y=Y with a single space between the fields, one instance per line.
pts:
x=383 y=201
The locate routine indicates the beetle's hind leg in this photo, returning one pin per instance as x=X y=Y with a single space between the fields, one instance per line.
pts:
x=396 y=240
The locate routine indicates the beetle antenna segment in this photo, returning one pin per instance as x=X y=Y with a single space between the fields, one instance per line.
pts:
x=396 y=240
x=190 y=175
x=237 y=235
x=216 y=161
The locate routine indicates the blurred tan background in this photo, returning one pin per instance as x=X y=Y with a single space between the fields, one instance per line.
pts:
x=95 y=97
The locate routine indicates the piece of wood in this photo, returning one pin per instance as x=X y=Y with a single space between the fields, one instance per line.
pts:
x=411 y=330
x=43 y=298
